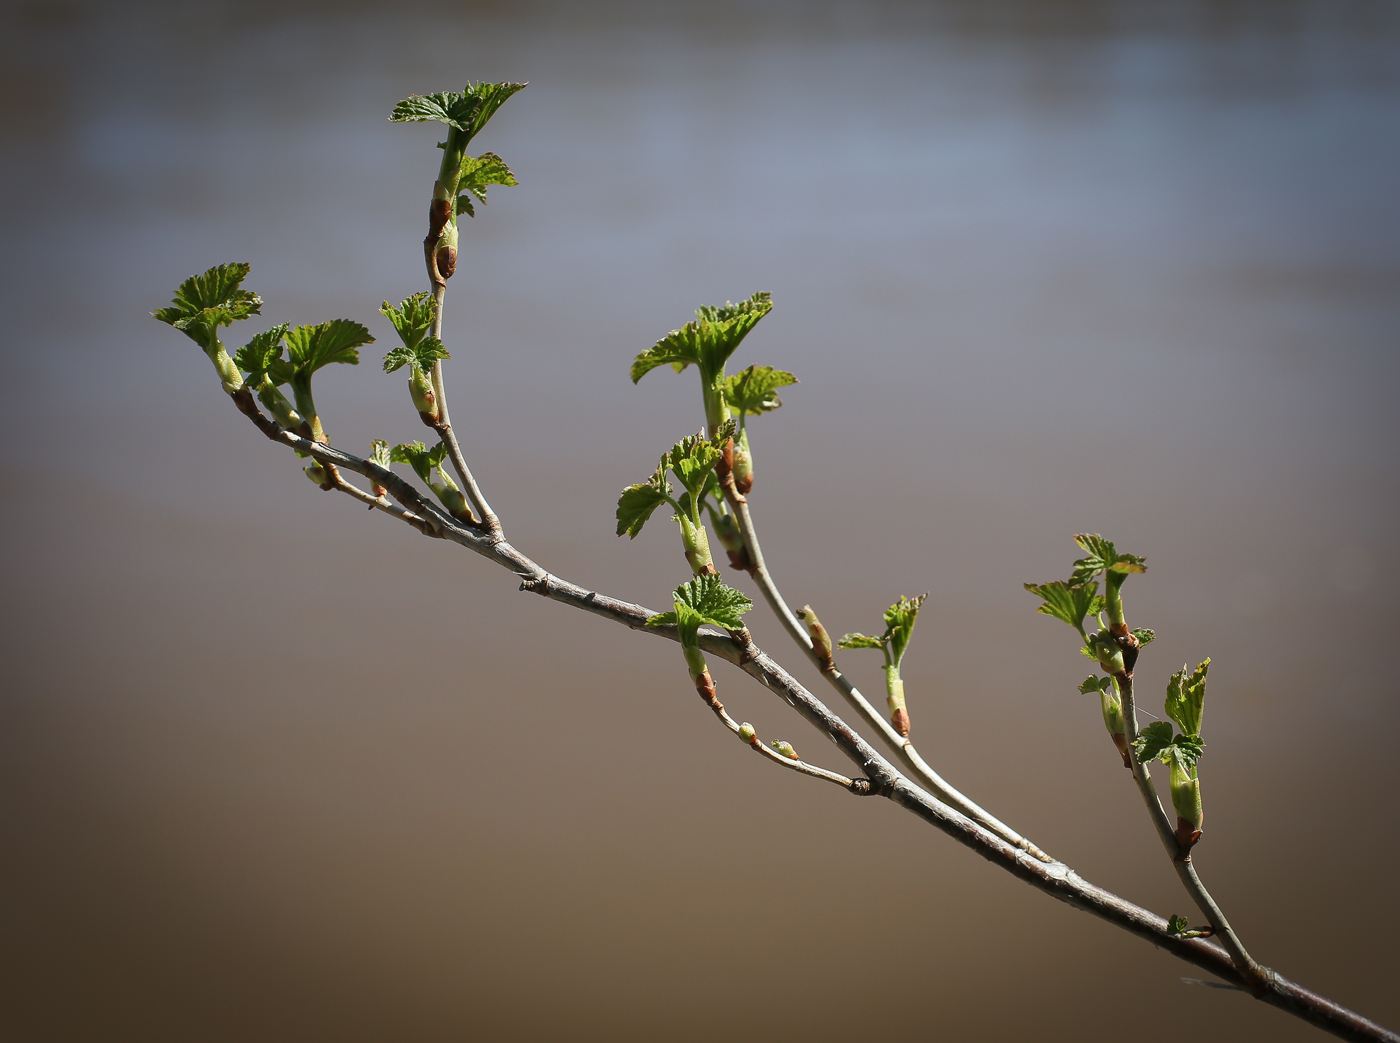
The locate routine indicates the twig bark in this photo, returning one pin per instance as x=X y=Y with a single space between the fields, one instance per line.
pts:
x=1053 y=878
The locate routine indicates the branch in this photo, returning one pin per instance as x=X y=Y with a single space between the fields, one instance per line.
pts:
x=470 y=489
x=902 y=746
x=1255 y=977
x=1054 y=878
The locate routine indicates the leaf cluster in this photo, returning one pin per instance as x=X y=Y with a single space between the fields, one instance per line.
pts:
x=701 y=601
x=899 y=627
x=1185 y=702
x=207 y=301
x=1155 y=742
x=1186 y=696
x=707 y=342
x=310 y=348
x=260 y=354
x=412 y=318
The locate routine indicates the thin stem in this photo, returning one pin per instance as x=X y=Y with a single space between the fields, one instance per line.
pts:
x=1054 y=879
x=380 y=503
x=902 y=746
x=1256 y=977
x=470 y=489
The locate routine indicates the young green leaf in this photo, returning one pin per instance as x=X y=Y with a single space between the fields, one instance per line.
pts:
x=1179 y=927
x=637 y=502
x=1186 y=695
x=255 y=357
x=467 y=110
x=309 y=348
x=717 y=604
x=477 y=175
x=1102 y=556
x=412 y=318
x=210 y=300
x=703 y=600
x=1095 y=684
x=860 y=641
x=421 y=355
x=1068 y=602
x=708 y=341
x=1144 y=636
x=380 y=454
x=419 y=457
x=899 y=624
x=1152 y=740
x=755 y=389
x=692 y=460
x=1186 y=750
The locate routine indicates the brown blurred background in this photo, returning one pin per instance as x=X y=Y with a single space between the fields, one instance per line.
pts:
x=276 y=768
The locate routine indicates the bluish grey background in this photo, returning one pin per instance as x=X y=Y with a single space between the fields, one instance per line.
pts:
x=277 y=768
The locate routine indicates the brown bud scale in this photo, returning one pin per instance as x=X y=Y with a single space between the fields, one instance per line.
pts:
x=900 y=720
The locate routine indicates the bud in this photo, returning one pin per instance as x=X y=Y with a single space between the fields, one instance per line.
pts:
x=697 y=547
x=228 y=372
x=732 y=540
x=743 y=465
x=695 y=660
x=747 y=733
x=821 y=640
x=318 y=474
x=899 y=714
x=1108 y=652
x=785 y=748
x=1186 y=798
x=446 y=256
x=1116 y=723
x=278 y=406
x=420 y=389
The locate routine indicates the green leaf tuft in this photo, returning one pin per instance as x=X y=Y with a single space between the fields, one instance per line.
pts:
x=1144 y=636
x=1095 y=684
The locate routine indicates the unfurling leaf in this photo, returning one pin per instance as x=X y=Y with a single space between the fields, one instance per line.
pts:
x=708 y=341
x=637 y=502
x=860 y=641
x=1144 y=636
x=1178 y=927
x=714 y=602
x=421 y=355
x=755 y=389
x=1186 y=696
x=419 y=457
x=1152 y=740
x=311 y=347
x=467 y=110
x=257 y=356
x=1095 y=684
x=412 y=318
x=1068 y=602
x=1102 y=556
x=207 y=301
x=899 y=624
x=477 y=175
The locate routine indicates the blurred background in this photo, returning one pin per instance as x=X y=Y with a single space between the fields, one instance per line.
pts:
x=274 y=767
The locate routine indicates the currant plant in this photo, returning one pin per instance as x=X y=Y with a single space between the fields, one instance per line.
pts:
x=709 y=477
